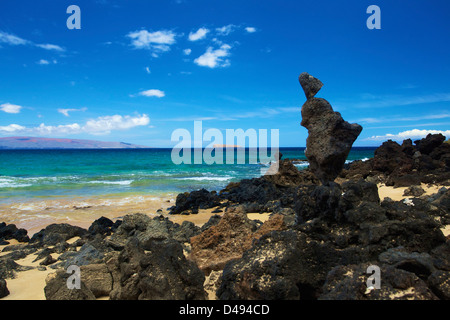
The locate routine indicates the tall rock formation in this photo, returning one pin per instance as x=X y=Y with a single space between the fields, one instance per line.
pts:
x=330 y=138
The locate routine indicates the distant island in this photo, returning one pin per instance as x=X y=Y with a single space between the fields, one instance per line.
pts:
x=52 y=143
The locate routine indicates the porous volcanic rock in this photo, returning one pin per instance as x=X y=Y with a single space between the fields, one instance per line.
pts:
x=330 y=138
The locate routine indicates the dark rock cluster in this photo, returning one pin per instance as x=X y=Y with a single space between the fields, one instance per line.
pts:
x=426 y=161
x=341 y=231
x=134 y=258
x=190 y=202
x=10 y=231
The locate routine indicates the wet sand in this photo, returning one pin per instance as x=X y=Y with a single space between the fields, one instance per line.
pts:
x=35 y=215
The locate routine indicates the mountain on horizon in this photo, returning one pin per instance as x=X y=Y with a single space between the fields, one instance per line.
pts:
x=54 y=143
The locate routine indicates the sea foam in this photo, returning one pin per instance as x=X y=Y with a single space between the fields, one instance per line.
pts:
x=207 y=178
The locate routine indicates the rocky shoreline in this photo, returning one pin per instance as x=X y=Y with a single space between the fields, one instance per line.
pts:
x=327 y=227
x=317 y=243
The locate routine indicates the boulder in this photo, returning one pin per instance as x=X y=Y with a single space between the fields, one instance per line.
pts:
x=48 y=260
x=389 y=158
x=159 y=273
x=3 y=288
x=414 y=191
x=191 y=202
x=357 y=170
x=10 y=231
x=419 y=263
x=148 y=229
x=56 y=233
x=256 y=190
x=350 y=283
x=356 y=192
x=282 y=265
x=9 y=268
x=184 y=232
x=131 y=224
x=310 y=85
x=103 y=226
x=227 y=240
x=270 y=270
x=441 y=255
x=57 y=288
x=155 y=231
x=318 y=202
x=439 y=282
x=289 y=176
x=97 y=279
x=431 y=142
x=415 y=235
x=86 y=255
x=230 y=238
x=365 y=213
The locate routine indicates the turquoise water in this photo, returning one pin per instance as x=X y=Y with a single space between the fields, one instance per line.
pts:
x=27 y=174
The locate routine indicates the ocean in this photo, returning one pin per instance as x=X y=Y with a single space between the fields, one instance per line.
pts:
x=67 y=184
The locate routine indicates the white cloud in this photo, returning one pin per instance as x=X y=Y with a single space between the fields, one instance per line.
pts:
x=152 y=93
x=98 y=126
x=66 y=111
x=46 y=62
x=250 y=29
x=15 y=41
x=442 y=115
x=217 y=41
x=12 y=128
x=143 y=38
x=10 y=108
x=106 y=124
x=187 y=51
x=147 y=69
x=409 y=134
x=51 y=47
x=198 y=35
x=157 y=42
x=226 y=30
x=214 y=58
x=44 y=130
x=12 y=39
x=384 y=101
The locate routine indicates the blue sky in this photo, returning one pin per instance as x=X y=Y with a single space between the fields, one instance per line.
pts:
x=138 y=70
